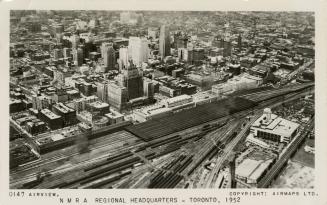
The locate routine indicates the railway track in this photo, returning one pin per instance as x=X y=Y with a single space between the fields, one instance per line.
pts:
x=154 y=150
x=262 y=96
x=114 y=141
x=275 y=170
x=229 y=149
x=116 y=150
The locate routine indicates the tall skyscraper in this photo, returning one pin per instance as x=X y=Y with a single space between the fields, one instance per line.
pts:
x=227 y=48
x=102 y=91
x=148 y=88
x=123 y=58
x=164 y=41
x=117 y=96
x=180 y=40
x=132 y=80
x=75 y=41
x=78 y=56
x=108 y=55
x=138 y=50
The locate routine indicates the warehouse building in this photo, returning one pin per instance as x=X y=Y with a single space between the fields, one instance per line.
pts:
x=251 y=171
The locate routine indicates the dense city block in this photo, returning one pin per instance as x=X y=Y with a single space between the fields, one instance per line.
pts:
x=161 y=99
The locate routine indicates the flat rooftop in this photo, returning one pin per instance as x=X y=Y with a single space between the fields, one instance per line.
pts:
x=99 y=104
x=49 y=114
x=276 y=124
x=63 y=108
x=178 y=98
x=247 y=167
x=114 y=114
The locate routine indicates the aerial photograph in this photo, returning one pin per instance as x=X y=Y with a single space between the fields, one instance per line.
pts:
x=161 y=99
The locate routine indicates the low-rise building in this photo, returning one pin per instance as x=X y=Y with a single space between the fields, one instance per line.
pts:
x=177 y=101
x=272 y=127
x=251 y=171
x=98 y=108
x=151 y=112
x=241 y=82
x=114 y=117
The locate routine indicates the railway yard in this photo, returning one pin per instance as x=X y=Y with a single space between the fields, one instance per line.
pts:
x=161 y=99
x=195 y=148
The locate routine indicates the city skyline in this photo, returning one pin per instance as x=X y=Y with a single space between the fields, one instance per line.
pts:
x=161 y=99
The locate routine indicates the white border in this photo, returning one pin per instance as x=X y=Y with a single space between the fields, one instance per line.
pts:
x=319 y=7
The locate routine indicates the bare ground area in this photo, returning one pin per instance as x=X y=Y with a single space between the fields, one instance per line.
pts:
x=295 y=175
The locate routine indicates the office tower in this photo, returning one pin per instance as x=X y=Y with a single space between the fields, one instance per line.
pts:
x=138 y=50
x=117 y=96
x=89 y=47
x=78 y=56
x=227 y=48
x=180 y=40
x=148 y=88
x=198 y=55
x=144 y=50
x=164 y=41
x=82 y=46
x=75 y=41
x=108 y=55
x=102 y=91
x=132 y=80
x=123 y=57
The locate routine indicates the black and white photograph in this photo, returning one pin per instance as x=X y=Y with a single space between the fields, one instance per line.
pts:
x=103 y=99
